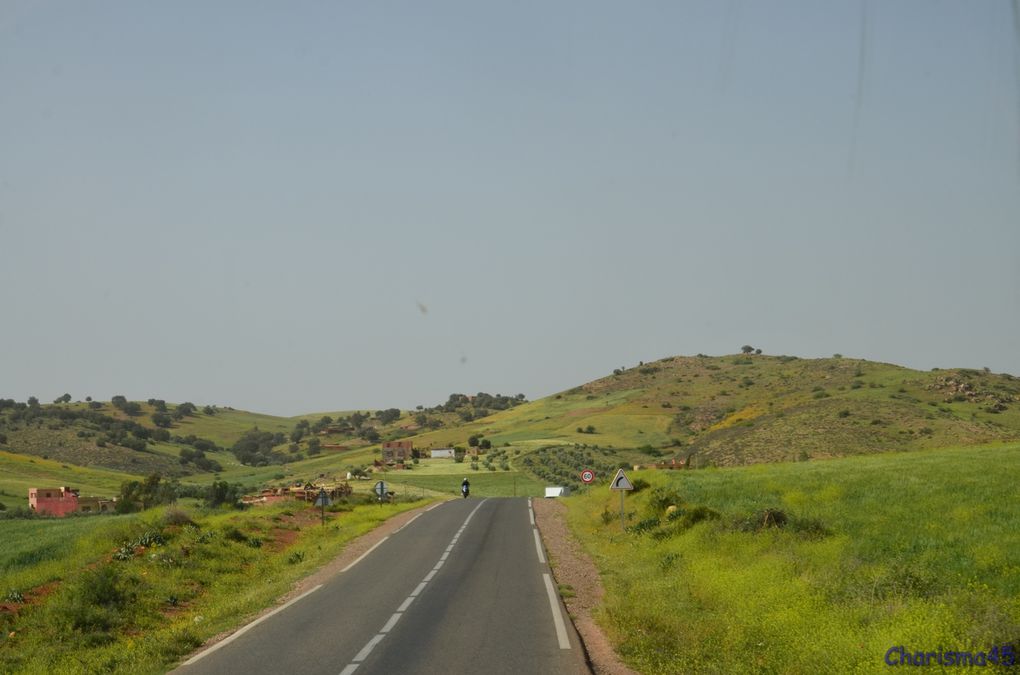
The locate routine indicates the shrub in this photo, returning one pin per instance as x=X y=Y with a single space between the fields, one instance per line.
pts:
x=640 y=484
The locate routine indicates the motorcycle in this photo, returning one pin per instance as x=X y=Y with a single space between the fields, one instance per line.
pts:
x=465 y=489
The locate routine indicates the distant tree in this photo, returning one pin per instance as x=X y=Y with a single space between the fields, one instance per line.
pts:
x=118 y=401
x=33 y=402
x=297 y=434
x=314 y=447
x=321 y=424
x=589 y=429
x=357 y=420
x=747 y=349
x=209 y=410
x=221 y=492
x=133 y=409
x=757 y=351
x=370 y=435
x=387 y=416
x=187 y=408
x=162 y=419
x=485 y=444
x=88 y=399
x=66 y=398
x=472 y=441
x=161 y=435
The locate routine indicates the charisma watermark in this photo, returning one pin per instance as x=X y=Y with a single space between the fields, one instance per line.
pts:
x=1004 y=655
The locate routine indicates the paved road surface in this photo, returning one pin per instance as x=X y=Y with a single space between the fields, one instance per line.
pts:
x=464 y=588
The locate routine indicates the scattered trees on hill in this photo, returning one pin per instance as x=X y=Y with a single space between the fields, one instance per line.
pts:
x=127 y=407
x=255 y=448
x=387 y=416
x=321 y=425
x=66 y=398
x=162 y=419
x=186 y=409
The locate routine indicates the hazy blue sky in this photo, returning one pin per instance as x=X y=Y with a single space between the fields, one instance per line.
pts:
x=243 y=203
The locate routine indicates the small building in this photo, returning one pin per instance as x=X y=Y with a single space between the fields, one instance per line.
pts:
x=397 y=451
x=53 y=501
x=442 y=453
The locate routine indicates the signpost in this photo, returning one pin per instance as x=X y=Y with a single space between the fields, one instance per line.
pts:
x=622 y=484
x=587 y=476
x=323 y=501
x=380 y=490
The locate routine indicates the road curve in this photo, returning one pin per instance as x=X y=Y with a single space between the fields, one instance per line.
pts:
x=464 y=588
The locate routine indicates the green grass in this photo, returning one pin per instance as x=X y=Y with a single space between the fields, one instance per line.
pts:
x=39 y=551
x=919 y=549
x=19 y=472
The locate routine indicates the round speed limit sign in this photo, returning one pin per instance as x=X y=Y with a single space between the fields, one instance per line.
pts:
x=587 y=476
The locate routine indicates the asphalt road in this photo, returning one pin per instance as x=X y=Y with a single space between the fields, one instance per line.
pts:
x=464 y=588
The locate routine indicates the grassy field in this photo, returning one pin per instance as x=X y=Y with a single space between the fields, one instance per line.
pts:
x=135 y=594
x=20 y=472
x=919 y=549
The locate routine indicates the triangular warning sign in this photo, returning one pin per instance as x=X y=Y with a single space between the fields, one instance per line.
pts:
x=621 y=482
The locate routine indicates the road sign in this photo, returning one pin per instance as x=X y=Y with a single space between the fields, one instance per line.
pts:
x=323 y=498
x=380 y=489
x=587 y=476
x=621 y=482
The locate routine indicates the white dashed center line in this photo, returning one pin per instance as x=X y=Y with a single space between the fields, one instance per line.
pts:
x=367 y=649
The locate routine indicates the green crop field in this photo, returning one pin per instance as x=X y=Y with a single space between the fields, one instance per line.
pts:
x=915 y=549
x=18 y=473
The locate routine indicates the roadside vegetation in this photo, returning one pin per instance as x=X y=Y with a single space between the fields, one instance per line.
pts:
x=134 y=594
x=810 y=567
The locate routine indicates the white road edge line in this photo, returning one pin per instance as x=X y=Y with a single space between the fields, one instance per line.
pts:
x=538 y=547
x=434 y=506
x=421 y=587
x=554 y=604
x=405 y=604
x=413 y=518
x=242 y=631
x=365 y=554
x=349 y=669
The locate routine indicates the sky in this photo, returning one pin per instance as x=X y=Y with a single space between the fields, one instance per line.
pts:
x=314 y=206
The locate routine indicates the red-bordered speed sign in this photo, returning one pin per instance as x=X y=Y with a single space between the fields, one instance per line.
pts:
x=587 y=476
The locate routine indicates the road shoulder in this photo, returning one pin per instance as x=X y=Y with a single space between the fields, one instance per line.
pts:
x=572 y=566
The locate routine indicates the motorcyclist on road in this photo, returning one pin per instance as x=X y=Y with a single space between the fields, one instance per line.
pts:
x=465 y=487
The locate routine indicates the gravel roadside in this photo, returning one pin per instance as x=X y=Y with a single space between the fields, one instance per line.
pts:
x=572 y=566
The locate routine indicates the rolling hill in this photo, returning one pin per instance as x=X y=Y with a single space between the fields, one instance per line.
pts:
x=707 y=411
x=746 y=409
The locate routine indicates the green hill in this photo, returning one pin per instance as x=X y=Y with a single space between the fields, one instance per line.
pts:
x=746 y=409
x=708 y=411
